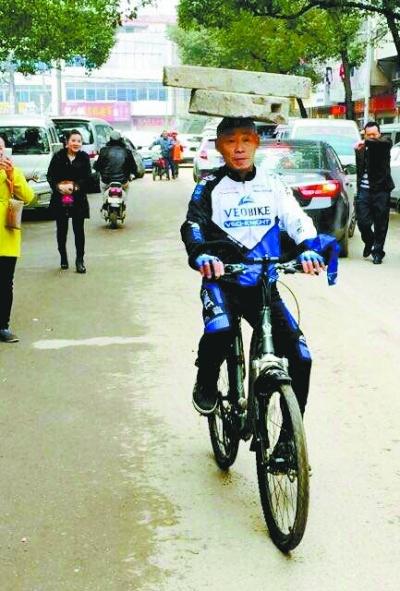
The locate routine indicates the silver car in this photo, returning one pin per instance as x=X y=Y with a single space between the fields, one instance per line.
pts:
x=31 y=141
x=207 y=159
x=395 y=172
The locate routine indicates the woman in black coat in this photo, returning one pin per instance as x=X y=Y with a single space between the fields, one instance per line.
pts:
x=69 y=176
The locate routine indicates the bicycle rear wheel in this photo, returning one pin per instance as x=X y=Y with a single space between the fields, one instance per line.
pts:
x=283 y=485
x=223 y=431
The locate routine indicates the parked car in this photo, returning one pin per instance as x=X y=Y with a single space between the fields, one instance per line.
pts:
x=190 y=143
x=31 y=141
x=391 y=131
x=136 y=156
x=341 y=134
x=395 y=172
x=95 y=135
x=319 y=182
x=206 y=159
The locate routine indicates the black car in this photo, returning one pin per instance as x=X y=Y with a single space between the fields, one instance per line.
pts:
x=320 y=184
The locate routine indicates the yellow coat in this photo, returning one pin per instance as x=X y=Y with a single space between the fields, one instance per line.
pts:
x=10 y=240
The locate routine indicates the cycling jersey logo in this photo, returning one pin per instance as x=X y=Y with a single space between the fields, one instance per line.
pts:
x=246 y=199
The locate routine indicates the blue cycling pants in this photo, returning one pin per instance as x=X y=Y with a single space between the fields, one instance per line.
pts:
x=231 y=301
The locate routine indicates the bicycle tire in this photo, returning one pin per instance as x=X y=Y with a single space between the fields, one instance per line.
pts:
x=284 y=493
x=224 y=437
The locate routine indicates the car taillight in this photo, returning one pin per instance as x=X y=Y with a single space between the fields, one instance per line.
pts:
x=203 y=154
x=326 y=189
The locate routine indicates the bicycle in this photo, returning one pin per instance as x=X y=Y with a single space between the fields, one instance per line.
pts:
x=270 y=415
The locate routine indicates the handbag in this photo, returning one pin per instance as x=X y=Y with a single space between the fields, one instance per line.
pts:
x=14 y=211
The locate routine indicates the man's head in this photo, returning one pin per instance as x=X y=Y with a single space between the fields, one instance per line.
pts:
x=237 y=141
x=164 y=134
x=372 y=131
x=115 y=136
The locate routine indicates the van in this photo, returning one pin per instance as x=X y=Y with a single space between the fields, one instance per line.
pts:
x=32 y=141
x=341 y=134
x=391 y=131
x=95 y=134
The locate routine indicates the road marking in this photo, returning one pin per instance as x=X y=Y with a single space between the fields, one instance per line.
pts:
x=93 y=342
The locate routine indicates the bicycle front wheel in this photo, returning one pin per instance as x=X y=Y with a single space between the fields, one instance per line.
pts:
x=282 y=467
x=223 y=432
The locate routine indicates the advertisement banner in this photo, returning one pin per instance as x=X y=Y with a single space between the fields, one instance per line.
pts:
x=111 y=111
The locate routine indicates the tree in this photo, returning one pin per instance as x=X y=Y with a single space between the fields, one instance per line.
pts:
x=293 y=9
x=36 y=32
x=239 y=39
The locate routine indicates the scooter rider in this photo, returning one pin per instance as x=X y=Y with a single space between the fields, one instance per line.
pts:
x=247 y=207
x=115 y=162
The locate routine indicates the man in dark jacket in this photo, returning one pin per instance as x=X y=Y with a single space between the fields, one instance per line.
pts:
x=374 y=185
x=115 y=162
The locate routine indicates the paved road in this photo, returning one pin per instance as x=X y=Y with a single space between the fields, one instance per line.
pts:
x=108 y=483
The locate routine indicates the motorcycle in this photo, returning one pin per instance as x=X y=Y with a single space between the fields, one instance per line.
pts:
x=114 y=206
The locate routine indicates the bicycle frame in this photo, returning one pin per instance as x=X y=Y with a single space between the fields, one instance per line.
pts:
x=266 y=370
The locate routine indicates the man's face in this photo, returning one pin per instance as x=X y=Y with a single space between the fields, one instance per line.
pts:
x=372 y=133
x=238 y=148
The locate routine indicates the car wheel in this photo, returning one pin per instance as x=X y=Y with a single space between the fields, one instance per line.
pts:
x=352 y=225
x=344 y=245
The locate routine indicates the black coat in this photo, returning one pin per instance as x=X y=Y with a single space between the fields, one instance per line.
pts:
x=375 y=156
x=78 y=171
x=115 y=163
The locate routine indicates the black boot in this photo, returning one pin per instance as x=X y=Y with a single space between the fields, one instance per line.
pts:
x=80 y=267
x=64 y=261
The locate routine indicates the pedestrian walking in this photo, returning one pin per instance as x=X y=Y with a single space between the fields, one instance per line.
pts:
x=374 y=184
x=12 y=181
x=176 y=154
x=69 y=176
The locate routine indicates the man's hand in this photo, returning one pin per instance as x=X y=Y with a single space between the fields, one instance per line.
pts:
x=312 y=262
x=209 y=266
x=360 y=144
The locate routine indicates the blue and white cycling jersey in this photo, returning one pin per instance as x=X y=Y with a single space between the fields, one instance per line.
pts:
x=248 y=212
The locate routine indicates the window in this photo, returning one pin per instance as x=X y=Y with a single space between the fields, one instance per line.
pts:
x=80 y=94
x=111 y=94
x=90 y=94
x=26 y=140
x=121 y=94
x=100 y=94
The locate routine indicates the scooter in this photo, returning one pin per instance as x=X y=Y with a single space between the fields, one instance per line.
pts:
x=114 y=206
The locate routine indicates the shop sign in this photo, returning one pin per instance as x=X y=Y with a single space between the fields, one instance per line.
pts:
x=110 y=111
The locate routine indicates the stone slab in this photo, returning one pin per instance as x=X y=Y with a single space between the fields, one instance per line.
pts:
x=242 y=81
x=230 y=104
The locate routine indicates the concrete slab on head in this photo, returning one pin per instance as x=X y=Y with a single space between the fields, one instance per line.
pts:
x=241 y=81
x=231 y=104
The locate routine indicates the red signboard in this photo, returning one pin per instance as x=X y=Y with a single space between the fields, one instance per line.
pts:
x=110 y=111
x=385 y=102
x=338 y=110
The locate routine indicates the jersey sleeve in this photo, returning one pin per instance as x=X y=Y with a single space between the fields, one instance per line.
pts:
x=292 y=218
x=198 y=218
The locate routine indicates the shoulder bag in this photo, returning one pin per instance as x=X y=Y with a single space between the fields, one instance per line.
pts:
x=14 y=210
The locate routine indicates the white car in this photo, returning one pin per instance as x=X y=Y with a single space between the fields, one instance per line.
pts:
x=395 y=172
x=207 y=159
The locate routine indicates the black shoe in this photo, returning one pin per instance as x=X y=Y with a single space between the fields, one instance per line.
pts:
x=283 y=457
x=64 y=262
x=204 y=399
x=80 y=267
x=6 y=336
x=377 y=259
x=367 y=250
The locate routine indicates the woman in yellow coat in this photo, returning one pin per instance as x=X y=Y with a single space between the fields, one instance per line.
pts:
x=10 y=240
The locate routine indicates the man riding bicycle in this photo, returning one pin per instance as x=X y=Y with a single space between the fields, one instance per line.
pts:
x=242 y=206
